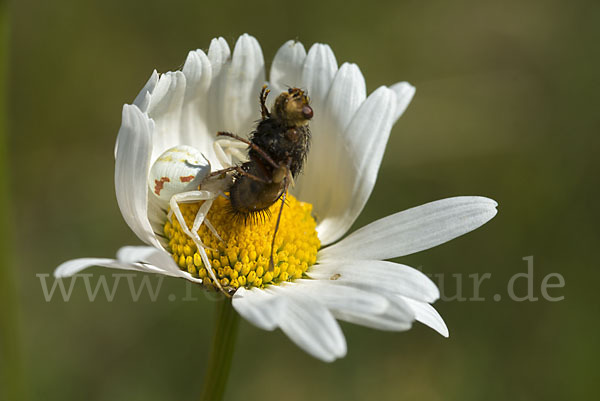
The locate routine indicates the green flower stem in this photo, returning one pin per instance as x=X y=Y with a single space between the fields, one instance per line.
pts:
x=221 y=353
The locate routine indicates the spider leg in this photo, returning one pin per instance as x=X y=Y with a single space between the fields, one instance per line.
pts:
x=254 y=147
x=201 y=218
x=221 y=155
x=193 y=196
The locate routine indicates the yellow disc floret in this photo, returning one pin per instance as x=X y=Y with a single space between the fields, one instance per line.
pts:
x=241 y=259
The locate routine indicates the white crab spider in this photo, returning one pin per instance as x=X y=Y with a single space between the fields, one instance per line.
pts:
x=176 y=177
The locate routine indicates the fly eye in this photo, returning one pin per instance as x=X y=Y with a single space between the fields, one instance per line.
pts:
x=307 y=112
x=290 y=90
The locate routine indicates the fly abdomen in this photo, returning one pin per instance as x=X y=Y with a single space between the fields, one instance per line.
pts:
x=249 y=195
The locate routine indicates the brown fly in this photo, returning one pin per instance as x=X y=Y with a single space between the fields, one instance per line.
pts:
x=277 y=150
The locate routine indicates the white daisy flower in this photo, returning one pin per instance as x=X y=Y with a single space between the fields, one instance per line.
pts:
x=316 y=280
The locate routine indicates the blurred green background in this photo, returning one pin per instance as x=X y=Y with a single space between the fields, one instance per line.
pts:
x=506 y=107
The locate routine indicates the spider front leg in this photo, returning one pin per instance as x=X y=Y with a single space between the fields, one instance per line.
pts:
x=252 y=145
x=227 y=149
x=194 y=196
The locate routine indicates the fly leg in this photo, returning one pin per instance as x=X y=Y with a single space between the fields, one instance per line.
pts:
x=240 y=171
x=283 y=195
x=223 y=171
x=264 y=112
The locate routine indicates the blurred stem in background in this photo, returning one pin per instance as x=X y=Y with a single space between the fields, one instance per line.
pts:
x=221 y=353
x=11 y=372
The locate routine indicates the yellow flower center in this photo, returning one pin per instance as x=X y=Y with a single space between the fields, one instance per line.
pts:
x=241 y=259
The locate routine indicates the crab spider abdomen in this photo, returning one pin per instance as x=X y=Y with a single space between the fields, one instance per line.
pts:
x=177 y=170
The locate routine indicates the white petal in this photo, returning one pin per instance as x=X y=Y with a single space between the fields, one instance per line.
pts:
x=427 y=315
x=318 y=71
x=353 y=305
x=336 y=297
x=194 y=129
x=138 y=258
x=134 y=146
x=218 y=54
x=286 y=70
x=165 y=109
x=259 y=307
x=330 y=194
x=414 y=230
x=72 y=267
x=378 y=276
x=143 y=98
x=134 y=254
x=198 y=73
x=404 y=94
x=365 y=141
x=310 y=326
x=157 y=217
x=145 y=254
x=347 y=93
x=238 y=88
x=300 y=316
x=158 y=258
x=397 y=317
